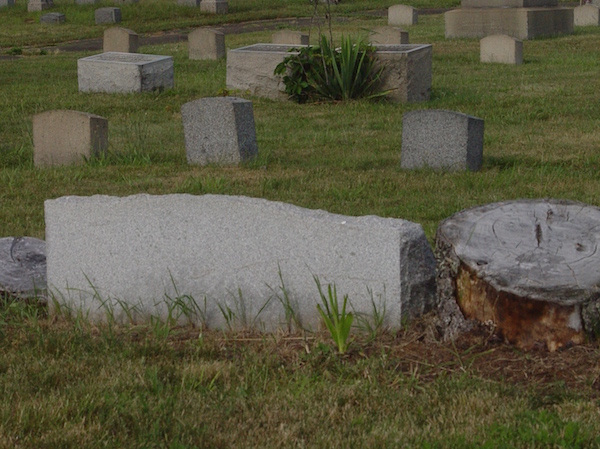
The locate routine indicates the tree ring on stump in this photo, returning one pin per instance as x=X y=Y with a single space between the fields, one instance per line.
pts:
x=532 y=267
x=22 y=267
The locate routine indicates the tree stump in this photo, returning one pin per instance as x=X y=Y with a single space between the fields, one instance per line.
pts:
x=22 y=267
x=530 y=267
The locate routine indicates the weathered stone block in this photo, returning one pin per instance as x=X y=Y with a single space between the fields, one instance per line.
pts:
x=388 y=36
x=230 y=252
x=289 y=37
x=522 y=23
x=440 y=139
x=402 y=15
x=407 y=73
x=67 y=137
x=86 y=2
x=4 y=3
x=586 y=15
x=107 y=15
x=214 y=6
x=502 y=49
x=507 y=3
x=219 y=130
x=120 y=40
x=114 y=72
x=194 y=3
x=204 y=43
x=52 y=18
x=39 y=5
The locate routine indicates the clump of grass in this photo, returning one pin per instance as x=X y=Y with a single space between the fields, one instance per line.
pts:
x=337 y=320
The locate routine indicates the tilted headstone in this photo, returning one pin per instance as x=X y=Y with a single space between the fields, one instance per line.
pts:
x=231 y=252
x=219 y=130
x=290 y=37
x=39 y=5
x=214 y=6
x=388 y=36
x=586 y=15
x=4 y=3
x=440 y=139
x=107 y=15
x=120 y=40
x=22 y=267
x=115 y=72
x=502 y=49
x=52 y=18
x=65 y=137
x=194 y=3
x=204 y=43
x=402 y=15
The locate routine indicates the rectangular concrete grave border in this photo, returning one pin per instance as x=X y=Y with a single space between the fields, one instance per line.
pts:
x=231 y=253
x=407 y=75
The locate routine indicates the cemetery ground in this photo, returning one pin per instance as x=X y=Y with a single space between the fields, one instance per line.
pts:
x=65 y=382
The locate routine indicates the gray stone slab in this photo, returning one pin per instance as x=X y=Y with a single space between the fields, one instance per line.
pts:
x=219 y=130
x=63 y=137
x=402 y=15
x=122 y=40
x=115 y=72
x=507 y=3
x=214 y=6
x=290 y=37
x=86 y=2
x=39 y=5
x=204 y=43
x=231 y=251
x=107 y=15
x=440 y=139
x=586 y=15
x=194 y=3
x=521 y=23
x=4 y=3
x=501 y=49
x=388 y=36
x=22 y=267
x=52 y=18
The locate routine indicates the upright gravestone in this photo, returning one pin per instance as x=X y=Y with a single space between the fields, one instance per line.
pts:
x=86 y=2
x=523 y=19
x=120 y=40
x=219 y=130
x=289 y=37
x=214 y=6
x=204 y=43
x=388 y=36
x=586 y=15
x=68 y=137
x=402 y=15
x=52 y=18
x=194 y=3
x=502 y=49
x=107 y=15
x=39 y=5
x=440 y=139
x=4 y=3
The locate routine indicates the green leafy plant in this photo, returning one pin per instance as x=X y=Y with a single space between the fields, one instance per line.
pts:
x=337 y=321
x=317 y=73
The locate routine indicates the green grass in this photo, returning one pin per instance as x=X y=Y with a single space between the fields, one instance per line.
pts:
x=68 y=383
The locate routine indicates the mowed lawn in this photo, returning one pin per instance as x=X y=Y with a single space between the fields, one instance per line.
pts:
x=66 y=382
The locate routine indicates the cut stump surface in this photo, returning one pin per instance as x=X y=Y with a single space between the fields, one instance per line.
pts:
x=22 y=267
x=530 y=267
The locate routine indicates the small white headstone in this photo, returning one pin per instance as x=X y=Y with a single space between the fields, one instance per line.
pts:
x=402 y=15
x=501 y=48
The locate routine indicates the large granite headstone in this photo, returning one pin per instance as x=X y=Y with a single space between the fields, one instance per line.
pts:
x=219 y=130
x=440 y=139
x=232 y=252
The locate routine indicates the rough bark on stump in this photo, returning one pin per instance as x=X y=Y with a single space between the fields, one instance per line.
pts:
x=22 y=267
x=531 y=267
